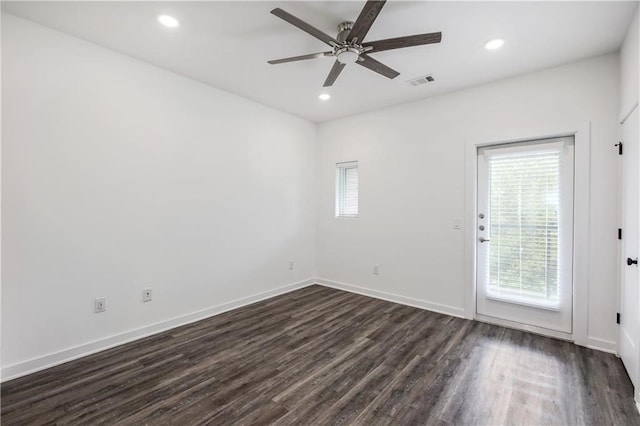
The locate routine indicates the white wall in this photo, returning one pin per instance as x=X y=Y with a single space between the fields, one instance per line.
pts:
x=1 y=31
x=629 y=71
x=412 y=184
x=118 y=176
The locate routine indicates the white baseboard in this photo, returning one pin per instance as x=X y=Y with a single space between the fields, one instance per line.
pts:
x=592 y=342
x=396 y=298
x=602 y=345
x=40 y=363
x=50 y=360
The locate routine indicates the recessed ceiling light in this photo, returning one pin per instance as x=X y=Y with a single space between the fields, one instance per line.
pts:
x=494 y=44
x=324 y=96
x=168 y=21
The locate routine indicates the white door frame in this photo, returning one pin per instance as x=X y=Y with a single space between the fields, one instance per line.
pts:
x=582 y=183
x=621 y=249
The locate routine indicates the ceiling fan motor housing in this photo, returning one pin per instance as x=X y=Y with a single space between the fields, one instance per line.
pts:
x=347 y=53
x=344 y=28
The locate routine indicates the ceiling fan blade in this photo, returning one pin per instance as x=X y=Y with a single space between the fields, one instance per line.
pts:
x=366 y=18
x=300 y=58
x=368 y=62
x=400 y=42
x=305 y=27
x=334 y=73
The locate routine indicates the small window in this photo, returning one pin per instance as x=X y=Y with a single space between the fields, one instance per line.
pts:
x=347 y=189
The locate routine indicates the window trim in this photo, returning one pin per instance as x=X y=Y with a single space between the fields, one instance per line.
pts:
x=340 y=192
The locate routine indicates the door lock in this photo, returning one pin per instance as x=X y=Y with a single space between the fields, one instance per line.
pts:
x=631 y=261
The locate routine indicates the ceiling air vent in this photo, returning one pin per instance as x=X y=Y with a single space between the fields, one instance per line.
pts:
x=421 y=80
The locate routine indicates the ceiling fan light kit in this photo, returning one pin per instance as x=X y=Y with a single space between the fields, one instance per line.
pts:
x=347 y=55
x=349 y=47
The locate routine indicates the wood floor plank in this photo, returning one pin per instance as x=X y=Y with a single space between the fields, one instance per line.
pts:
x=325 y=357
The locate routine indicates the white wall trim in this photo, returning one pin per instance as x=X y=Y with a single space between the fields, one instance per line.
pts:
x=602 y=345
x=395 y=298
x=581 y=236
x=591 y=342
x=581 y=206
x=33 y=365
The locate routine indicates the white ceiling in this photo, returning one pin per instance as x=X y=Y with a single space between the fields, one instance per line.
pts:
x=227 y=44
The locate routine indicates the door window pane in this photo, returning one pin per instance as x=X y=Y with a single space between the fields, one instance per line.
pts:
x=524 y=199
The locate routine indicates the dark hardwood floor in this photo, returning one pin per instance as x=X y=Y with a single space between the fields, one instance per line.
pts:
x=323 y=356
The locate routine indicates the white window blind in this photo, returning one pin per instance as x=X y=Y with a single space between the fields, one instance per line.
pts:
x=347 y=189
x=524 y=217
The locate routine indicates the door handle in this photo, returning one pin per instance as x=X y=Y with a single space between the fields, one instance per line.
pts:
x=631 y=261
x=484 y=240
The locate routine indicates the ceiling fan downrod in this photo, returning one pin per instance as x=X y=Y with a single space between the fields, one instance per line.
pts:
x=344 y=28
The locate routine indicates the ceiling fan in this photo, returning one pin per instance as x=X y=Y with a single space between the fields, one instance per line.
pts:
x=349 y=46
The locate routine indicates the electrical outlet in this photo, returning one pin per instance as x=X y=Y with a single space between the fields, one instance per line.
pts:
x=100 y=304
x=291 y=265
x=146 y=295
x=376 y=270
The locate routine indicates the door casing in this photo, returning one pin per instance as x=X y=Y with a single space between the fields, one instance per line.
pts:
x=581 y=134
x=629 y=351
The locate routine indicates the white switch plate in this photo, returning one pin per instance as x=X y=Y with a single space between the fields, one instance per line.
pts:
x=457 y=224
x=376 y=270
x=291 y=265
x=146 y=295
x=100 y=304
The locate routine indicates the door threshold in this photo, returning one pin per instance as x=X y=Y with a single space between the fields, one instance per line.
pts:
x=525 y=327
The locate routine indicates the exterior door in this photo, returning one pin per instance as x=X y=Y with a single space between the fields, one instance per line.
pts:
x=629 y=294
x=525 y=234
